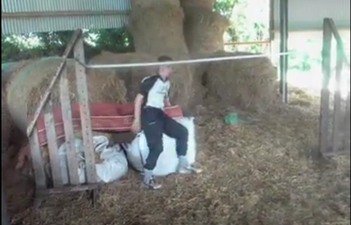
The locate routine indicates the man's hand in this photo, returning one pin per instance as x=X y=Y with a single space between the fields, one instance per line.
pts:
x=135 y=128
x=167 y=102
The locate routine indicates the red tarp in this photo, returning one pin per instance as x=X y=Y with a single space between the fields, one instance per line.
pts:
x=104 y=117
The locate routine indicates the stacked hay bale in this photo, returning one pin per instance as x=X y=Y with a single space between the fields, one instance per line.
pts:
x=249 y=84
x=203 y=31
x=203 y=28
x=30 y=83
x=208 y=4
x=157 y=29
x=131 y=76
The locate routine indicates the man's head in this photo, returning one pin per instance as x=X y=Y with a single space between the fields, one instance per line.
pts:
x=165 y=70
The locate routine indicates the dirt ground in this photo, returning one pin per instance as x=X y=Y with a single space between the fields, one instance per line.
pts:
x=260 y=172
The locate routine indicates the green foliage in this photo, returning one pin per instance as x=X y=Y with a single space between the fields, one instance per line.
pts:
x=225 y=7
x=19 y=47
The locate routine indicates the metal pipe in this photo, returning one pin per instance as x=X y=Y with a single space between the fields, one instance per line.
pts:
x=247 y=42
x=4 y=215
x=190 y=61
x=284 y=48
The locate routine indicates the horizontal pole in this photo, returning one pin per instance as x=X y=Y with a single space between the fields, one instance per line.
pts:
x=190 y=61
x=248 y=42
x=15 y=15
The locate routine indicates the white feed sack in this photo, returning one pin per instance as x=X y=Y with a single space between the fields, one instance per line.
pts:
x=114 y=163
x=167 y=163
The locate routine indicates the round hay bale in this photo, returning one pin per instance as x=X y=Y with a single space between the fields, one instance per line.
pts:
x=29 y=84
x=7 y=125
x=207 y=4
x=153 y=3
x=245 y=83
x=131 y=76
x=203 y=30
x=157 y=29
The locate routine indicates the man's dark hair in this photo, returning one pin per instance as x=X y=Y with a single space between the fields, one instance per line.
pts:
x=164 y=58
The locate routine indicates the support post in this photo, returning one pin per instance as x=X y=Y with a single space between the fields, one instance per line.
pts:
x=284 y=48
x=324 y=110
x=271 y=28
x=337 y=97
x=84 y=109
x=4 y=215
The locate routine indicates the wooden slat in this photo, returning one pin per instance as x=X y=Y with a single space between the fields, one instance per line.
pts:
x=85 y=112
x=52 y=145
x=324 y=110
x=52 y=82
x=337 y=98
x=67 y=189
x=37 y=161
x=68 y=128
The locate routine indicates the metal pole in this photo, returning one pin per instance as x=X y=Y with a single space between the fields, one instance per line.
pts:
x=4 y=216
x=284 y=48
x=324 y=107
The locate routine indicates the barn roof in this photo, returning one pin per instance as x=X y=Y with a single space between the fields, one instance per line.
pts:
x=23 y=16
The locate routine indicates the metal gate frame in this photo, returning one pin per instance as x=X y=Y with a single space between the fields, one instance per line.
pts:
x=331 y=147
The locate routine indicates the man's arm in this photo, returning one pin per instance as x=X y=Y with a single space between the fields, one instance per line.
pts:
x=137 y=107
x=167 y=101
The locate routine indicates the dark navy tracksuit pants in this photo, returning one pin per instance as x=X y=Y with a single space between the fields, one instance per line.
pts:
x=154 y=122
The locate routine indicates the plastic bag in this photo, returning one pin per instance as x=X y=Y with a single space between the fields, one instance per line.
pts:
x=167 y=162
x=113 y=167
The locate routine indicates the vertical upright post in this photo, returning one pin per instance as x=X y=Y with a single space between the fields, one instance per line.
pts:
x=324 y=107
x=4 y=215
x=337 y=96
x=271 y=27
x=85 y=111
x=284 y=48
x=68 y=128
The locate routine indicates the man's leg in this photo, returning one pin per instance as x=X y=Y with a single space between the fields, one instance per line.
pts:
x=152 y=127
x=177 y=131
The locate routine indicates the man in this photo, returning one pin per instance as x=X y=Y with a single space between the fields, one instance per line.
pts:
x=150 y=117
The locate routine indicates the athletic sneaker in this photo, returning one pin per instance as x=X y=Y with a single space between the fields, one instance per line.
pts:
x=185 y=167
x=189 y=169
x=150 y=183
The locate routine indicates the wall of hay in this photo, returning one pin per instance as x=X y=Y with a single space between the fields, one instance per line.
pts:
x=30 y=82
x=157 y=29
x=248 y=84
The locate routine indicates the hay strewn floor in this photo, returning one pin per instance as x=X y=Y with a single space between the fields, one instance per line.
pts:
x=255 y=174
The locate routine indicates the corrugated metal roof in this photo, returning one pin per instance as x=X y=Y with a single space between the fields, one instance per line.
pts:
x=309 y=15
x=44 y=24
